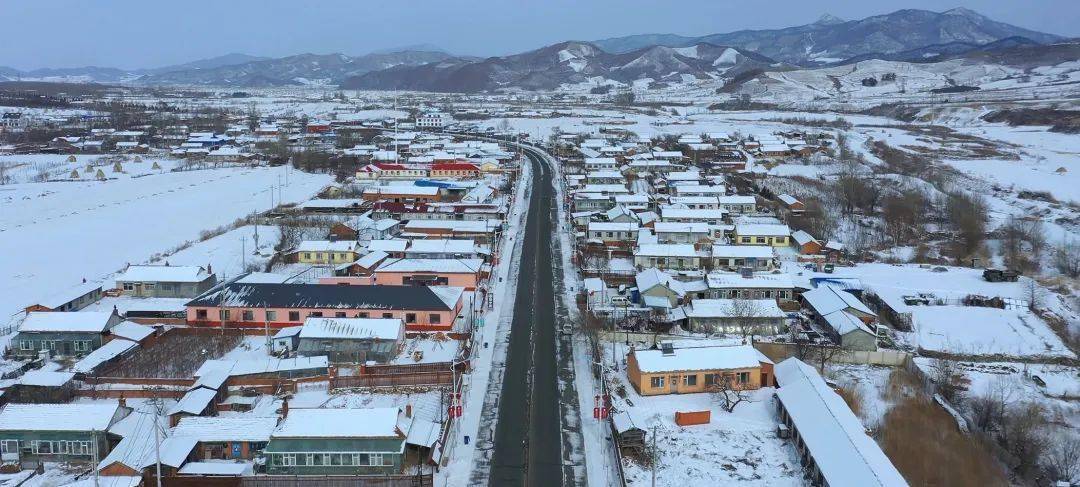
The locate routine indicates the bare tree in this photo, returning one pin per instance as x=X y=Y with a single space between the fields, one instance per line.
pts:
x=1033 y=293
x=948 y=379
x=1063 y=456
x=728 y=391
x=745 y=313
x=1067 y=258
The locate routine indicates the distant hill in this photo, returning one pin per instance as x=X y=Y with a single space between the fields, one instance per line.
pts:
x=564 y=63
x=831 y=39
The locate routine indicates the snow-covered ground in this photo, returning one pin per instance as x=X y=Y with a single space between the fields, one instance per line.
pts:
x=52 y=235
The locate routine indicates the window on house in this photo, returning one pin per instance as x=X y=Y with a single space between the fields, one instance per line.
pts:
x=200 y=314
x=271 y=315
x=656 y=382
x=26 y=344
x=410 y=317
x=223 y=314
x=362 y=314
x=307 y=255
x=315 y=314
x=375 y=459
x=326 y=458
x=745 y=240
x=712 y=379
x=315 y=459
x=247 y=315
x=761 y=240
x=744 y=377
x=9 y=446
x=339 y=314
x=288 y=459
x=82 y=345
x=434 y=318
x=388 y=315
x=347 y=459
x=45 y=447
x=148 y=286
x=294 y=316
x=689 y=380
x=129 y=286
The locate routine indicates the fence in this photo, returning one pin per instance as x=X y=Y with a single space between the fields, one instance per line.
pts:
x=422 y=480
x=889 y=358
x=398 y=375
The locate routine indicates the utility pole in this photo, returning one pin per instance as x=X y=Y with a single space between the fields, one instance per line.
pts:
x=94 y=439
x=157 y=444
x=654 y=456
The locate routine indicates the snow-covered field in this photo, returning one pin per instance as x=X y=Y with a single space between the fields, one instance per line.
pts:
x=984 y=331
x=54 y=234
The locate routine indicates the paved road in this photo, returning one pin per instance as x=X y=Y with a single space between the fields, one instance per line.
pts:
x=528 y=435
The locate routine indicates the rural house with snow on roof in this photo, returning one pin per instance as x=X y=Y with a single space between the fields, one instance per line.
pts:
x=274 y=306
x=687 y=368
x=73 y=333
x=165 y=281
x=352 y=340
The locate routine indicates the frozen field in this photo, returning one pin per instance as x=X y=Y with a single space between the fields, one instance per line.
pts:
x=54 y=234
x=983 y=331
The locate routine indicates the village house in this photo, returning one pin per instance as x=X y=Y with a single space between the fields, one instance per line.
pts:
x=326 y=252
x=845 y=318
x=71 y=433
x=687 y=215
x=391 y=170
x=738 y=204
x=70 y=299
x=480 y=231
x=464 y=273
x=725 y=285
x=443 y=249
x=403 y=193
x=806 y=243
x=74 y=333
x=757 y=316
x=612 y=232
x=337 y=441
x=659 y=290
x=689 y=369
x=792 y=204
x=226 y=437
x=736 y=257
x=164 y=281
x=776 y=235
x=682 y=233
x=282 y=305
x=830 y=440
x=457 y=170
x=352 y=340
x=668 y=256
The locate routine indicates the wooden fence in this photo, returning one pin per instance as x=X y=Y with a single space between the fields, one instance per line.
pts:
x=423 y=480
x=398 y=375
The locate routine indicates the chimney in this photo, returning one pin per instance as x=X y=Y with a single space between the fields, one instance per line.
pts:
x=166 y=263
x=122 y=402
x=84 y=280
x=408 y=410
x=209 y=269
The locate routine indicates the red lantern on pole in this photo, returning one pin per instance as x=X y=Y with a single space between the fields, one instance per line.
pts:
x=458 y=411
x=603 y=413
x=596 y=413
x=450 y=413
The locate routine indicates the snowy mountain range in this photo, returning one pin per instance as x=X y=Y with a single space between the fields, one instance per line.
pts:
x=565 y=63
x=832 y=39
x=918 y=36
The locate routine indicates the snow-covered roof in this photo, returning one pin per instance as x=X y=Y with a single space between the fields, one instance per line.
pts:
x=698 y=358
x=681 y=227
x=843 y=322
x=613 y=226
x=457 y=266
x=108 y=351
x=231 y=469
x=835 y=437
x=743 y=251
x=787 y=199
x=262 y=366
x=802 y=238
x=162 y=273
x=45 y=378
x=74 y=321
x=194 y=402
x=340 y=423
x=733 y=308
x=827 y=299
x=667 y=250
x=131 y=331
x=326 y=246
x=352 y=328
x=395 y=245
x=729 y=280
x=652 y=277
x=762 y=229
x=58 y=417
x=448 y=246
x=225 y=428
x=65 y=296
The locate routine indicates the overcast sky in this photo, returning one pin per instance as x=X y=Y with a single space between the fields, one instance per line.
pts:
x=153 y=33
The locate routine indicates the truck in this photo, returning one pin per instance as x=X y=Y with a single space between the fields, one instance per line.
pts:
x=1000 y=275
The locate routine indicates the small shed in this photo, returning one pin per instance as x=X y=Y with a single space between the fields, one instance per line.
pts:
x=630 y=437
